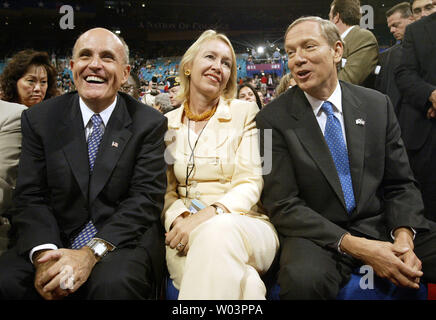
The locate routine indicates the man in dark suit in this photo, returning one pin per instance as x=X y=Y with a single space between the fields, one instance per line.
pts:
x=416 y=79
x=90 y=188
x=340 y=191
x=398 y=18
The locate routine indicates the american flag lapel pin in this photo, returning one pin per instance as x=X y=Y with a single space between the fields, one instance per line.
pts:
x=360 y=122
x=114 y=144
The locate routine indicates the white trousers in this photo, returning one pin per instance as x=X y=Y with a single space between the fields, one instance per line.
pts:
x=225 y=256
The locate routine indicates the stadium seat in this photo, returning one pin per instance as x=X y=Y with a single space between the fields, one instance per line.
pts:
x=383 y=290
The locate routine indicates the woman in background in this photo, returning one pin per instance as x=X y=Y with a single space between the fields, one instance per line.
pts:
x=28 y=78
x=247 y=92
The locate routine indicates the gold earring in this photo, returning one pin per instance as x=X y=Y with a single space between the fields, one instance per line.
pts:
x=187 y=72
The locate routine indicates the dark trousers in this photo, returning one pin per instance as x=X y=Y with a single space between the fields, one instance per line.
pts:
x=125 y=273
x=310 y=272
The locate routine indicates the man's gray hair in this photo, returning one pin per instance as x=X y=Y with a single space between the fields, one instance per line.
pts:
x=328 y=29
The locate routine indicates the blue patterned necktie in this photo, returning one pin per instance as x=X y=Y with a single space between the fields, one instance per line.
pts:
x=336 y=143
x=94 y=139
x=89 y=231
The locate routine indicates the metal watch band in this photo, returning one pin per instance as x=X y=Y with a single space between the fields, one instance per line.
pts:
x=218 y=209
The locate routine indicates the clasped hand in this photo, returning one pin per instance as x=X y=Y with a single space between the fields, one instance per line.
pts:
x=183 y=226
x=431 y=113
x=395 y=261
x=63 y=271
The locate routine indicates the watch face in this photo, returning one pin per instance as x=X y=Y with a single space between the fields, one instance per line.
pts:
x=100 y=248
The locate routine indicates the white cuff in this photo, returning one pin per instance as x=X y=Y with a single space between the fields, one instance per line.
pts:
x=47 y=246
x=413 y=230
x=339 y=243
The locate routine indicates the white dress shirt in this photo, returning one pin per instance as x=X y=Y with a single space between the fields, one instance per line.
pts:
x=336 y=100
x=87 y=113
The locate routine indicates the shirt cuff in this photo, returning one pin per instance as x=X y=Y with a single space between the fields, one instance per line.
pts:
x=413 y=230
x=339 y=243
x=47 y=246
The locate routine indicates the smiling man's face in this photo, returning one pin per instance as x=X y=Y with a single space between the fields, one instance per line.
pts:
x=311 y=59
x=99 y=67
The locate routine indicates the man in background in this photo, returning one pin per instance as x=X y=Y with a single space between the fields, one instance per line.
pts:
x=173 y=83
x=416 y=79
x=422 y=8
x=398 y=18
x=360 y=49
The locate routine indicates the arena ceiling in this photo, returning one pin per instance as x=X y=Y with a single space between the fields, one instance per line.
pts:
x=150 y=25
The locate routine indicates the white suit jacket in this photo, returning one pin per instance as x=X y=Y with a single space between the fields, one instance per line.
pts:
x=227 y=161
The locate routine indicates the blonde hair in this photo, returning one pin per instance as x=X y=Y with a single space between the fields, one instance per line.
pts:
x=284 y=84
x=191 y=53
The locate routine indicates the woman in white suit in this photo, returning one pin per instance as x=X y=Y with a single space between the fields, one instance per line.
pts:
x=220 y=251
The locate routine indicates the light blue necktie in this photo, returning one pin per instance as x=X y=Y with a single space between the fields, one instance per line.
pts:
x=336 y=143
x=89 y=231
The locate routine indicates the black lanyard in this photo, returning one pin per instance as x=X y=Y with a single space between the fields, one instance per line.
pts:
x=191 y=162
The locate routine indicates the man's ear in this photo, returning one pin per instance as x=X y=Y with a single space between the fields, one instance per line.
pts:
x=126 y=72
x=338 y=51
x=336 y=18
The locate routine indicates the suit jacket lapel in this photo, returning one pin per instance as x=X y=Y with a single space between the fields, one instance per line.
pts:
x=72 y=135
x=311 y=137
x=115 y=138
x=354 y=122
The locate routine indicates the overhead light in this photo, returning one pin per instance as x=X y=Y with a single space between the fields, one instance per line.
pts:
x=117 y=31
x=143 y=5
x=260 y=49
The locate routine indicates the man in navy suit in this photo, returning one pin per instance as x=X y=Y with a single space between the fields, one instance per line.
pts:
x=90 y=188
x=340 y=191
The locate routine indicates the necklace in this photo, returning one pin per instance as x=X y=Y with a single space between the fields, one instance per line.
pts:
x=191 y=162
x=200 y=117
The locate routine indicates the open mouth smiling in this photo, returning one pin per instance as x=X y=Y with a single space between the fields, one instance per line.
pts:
x=94 y=79
x=303 y=74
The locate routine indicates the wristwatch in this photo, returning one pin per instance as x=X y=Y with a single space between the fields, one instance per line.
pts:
x=218 y=209
x=99 y=247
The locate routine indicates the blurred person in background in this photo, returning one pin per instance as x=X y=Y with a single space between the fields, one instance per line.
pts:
x=220 y=251
x=150 y=96
x=173 y=90
x=247 y=92
x=131 y=87
x=422 y=8
x=261 y=97
x=28 y=78
x=162 y=103
x=286 y=82
x=398 y=18
x=361 y=47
